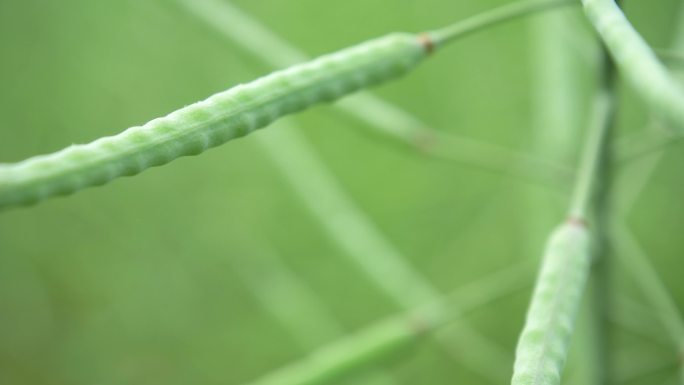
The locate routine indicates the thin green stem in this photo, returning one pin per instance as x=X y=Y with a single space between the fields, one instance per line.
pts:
x=494 y=17
x=557 y=85
x=287 y=297
x=543 y=344
x=637 y=262
x=362 y=349
x=638 y=320
x=654 y=137
x=344 y=222
x=349 y=227
x=601 y=273
x=643 y=368
x=358 y=237
x=556 y=91
x=500 y=160
x=631 y=253
x=589 y=164
x=561 y=54
x=636 y=61
x=651 y=139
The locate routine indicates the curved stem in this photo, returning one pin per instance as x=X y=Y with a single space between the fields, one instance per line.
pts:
x=631 y=253
x=360 y=239
x=286 y=296
x=636 y=61
x=637 y=262
x=543 y=344
x=651 y=139
x=364 y=348
x=491 y=18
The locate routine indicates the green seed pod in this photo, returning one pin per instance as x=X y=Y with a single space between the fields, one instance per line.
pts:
x=543 y=344
x=209 y=123
x=239 y=111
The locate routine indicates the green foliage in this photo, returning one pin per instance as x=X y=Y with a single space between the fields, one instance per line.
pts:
x=150 y=280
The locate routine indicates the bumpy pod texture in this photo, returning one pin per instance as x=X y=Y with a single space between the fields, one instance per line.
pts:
x=224 y=116
x=543 y=344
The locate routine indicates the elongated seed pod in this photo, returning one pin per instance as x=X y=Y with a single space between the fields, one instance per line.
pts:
x=209 y=123
x=544 y=341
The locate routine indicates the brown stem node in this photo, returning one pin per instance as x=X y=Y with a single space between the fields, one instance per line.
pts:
x=426 y=41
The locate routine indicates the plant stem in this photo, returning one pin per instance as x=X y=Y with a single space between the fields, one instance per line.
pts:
x=360 y=350
x=636 y=61
x=652 y=138
x=557 y=86
x=635 y=317
x=631 y=253
x=359 y=238
x=496 y=16
x=561 y=55
x=601 y=274
x=589 y=164
x=287 y=297
x=643 y=272
x=543 y=344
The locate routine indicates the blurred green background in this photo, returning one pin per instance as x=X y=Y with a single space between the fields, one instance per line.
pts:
x=139 y=282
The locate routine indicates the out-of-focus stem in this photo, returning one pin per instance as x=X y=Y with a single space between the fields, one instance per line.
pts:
x=362 y=349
